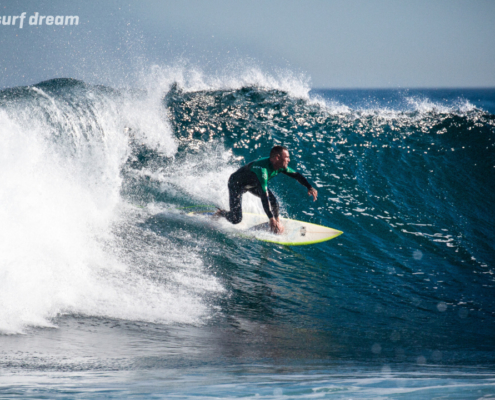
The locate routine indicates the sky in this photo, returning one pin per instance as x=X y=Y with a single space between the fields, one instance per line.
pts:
x=331 y=44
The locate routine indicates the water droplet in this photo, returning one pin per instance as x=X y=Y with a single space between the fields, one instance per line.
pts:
x=463 y=313
x=436 y=356
x=421 y=360
x=376 y=348
x=386 y=369
x=441 y=306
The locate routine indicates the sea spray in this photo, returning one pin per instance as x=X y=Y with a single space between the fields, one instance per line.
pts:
x=63 y=147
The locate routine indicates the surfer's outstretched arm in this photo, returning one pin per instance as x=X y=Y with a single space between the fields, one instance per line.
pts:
x=303 y=181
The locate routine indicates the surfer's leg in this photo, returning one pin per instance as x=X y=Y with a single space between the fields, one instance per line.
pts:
x=235 y=200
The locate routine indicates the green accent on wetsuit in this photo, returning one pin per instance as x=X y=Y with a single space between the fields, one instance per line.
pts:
x=254 y=177
x=264 y=170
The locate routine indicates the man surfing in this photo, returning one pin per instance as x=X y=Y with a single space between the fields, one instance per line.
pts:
x=253 y=178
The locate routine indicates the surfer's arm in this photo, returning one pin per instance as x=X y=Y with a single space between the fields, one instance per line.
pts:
x=303 y=181
x=298 y=177
x=266 y=204
x=263 y=192
x=275 y=225
x=271 y=209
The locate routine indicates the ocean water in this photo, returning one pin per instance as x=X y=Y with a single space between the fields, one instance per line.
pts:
x=108 y=290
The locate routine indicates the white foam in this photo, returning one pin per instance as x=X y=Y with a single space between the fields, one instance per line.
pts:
x=204 y=179
x=61 y=214
x=419 y=107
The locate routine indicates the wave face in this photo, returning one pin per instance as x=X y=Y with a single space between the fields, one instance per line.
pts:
x=95 y=181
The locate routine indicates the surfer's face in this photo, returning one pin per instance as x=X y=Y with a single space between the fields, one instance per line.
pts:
x=282 y=160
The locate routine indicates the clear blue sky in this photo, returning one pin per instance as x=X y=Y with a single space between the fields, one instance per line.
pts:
x=351 y=43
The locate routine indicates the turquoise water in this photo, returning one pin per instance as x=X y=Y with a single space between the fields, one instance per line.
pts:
x=108 y=290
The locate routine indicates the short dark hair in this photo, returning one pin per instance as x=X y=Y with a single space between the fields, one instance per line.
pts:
x=276 y=150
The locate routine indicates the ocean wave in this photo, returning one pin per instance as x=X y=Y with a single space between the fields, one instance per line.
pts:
x=96 y=180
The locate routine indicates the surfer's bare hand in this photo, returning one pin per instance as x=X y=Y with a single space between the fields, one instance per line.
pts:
x=276 y=226
x=313 y=192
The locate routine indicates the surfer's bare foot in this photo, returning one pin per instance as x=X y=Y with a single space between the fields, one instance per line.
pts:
x=219 y=214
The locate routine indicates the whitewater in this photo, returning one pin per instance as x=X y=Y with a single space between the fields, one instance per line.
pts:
x=108 y=290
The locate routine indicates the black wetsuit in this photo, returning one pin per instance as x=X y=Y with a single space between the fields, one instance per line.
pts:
x=253 y=178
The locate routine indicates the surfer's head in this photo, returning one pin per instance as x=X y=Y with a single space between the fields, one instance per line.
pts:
x=279 y=157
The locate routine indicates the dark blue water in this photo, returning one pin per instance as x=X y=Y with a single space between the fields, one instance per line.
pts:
x=109 y=290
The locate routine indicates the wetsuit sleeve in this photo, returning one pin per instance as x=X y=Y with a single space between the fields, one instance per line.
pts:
x=298 y=177
x=266 y=204
x=264 y=180
x=264 y=193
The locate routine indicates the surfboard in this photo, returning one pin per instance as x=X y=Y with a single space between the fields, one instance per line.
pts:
x=297 y=233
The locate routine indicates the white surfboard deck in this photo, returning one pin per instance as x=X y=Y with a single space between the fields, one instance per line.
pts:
x=296 y=233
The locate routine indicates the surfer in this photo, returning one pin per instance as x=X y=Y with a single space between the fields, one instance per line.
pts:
x=253 y=178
